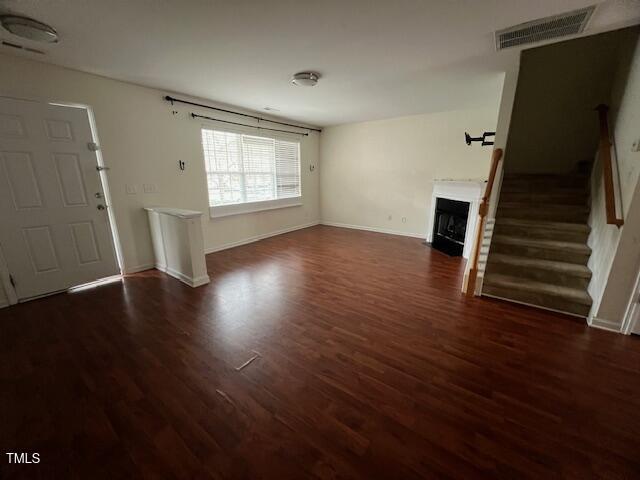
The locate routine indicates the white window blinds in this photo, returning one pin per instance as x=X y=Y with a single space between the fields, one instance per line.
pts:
x=246 y=168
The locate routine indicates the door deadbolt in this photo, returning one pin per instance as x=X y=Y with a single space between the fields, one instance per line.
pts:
x=101 y=207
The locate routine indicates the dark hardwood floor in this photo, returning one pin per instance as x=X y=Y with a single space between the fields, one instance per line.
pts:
x=372 y=365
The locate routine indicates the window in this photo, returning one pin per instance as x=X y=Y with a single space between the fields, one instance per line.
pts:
x=250 y=173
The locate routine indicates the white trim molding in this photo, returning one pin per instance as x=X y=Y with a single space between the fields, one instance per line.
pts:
x=138 y=268
x=178 y=244
x=631 y=320
x=250 y=207
x=191 y=281
x=5 y=283
x=539 y=307
x=603 y=324
x=373 y=229
x=257 y=238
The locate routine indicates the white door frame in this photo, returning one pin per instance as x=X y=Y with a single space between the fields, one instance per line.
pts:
x=5 y=282
x=10 y=292
x=631 y=319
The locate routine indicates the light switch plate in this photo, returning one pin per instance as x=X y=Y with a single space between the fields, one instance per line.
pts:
x=131 y=189
x=150 y=188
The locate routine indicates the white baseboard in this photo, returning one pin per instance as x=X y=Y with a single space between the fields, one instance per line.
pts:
x=374 y=229
x=604 y=324
x=138 y=268
x=257 y=238
x=192 y=282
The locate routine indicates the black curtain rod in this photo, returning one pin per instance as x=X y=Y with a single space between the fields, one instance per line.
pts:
x=173 y=99
x=195 y=115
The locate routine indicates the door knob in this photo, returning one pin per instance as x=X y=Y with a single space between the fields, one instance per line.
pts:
x=101 y=207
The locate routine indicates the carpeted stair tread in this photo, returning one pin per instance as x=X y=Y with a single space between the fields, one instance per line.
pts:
x=551 y=265
x=521 y=222
x=569 y=294
x=556 y=213
x=542 y=243
x=545 y=198
x=539 y=252
x=571 y=181
x=528 y=207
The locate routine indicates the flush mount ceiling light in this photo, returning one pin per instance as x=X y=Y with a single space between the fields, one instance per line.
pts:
x=305 y=79
x=29 y=28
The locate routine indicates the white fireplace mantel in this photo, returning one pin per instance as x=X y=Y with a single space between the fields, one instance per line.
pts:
x=462 y=190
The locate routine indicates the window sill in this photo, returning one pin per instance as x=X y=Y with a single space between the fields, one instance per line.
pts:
x=241 y=208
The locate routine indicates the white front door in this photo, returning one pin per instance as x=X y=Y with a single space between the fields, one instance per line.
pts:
x=54 y=226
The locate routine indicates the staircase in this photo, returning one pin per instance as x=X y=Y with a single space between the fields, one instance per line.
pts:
x=539 y=251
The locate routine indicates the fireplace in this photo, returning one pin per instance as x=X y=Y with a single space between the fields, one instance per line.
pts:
x=464 y=191
x=450 y=226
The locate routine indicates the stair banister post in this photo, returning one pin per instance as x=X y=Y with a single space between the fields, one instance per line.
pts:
x=482 y=213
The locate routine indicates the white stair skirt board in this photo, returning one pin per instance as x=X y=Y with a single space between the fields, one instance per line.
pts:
x=532 y=305
x=604 y=324
x=257 y=238
x=178 y=244
x=373 y=229
x=463 y=191
x=631 y=319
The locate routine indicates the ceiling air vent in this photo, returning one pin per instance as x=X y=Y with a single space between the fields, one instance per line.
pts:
x=546 y=28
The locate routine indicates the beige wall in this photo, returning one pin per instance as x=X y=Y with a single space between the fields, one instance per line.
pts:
x=375 y=170
x=616 y=252
x=553 y=124
x=142 y=142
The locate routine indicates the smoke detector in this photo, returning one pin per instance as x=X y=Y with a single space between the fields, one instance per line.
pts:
x=305 y=79
x=556 y=26
x=29 y=28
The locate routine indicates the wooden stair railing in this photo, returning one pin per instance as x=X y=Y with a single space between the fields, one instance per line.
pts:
x=482 y=213
x=604 y=153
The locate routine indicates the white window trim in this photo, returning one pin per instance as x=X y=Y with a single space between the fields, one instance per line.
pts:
x=250 y=207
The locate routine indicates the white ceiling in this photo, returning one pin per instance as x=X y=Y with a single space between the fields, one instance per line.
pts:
x=377 y=58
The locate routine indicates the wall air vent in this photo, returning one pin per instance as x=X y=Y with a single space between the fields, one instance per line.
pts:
x=547 y=28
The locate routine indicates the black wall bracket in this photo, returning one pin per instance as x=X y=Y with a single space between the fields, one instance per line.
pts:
x=469 y=139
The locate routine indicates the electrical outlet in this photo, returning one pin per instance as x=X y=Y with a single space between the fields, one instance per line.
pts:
x=404 y=219
x=131 y=189
x=150 y=188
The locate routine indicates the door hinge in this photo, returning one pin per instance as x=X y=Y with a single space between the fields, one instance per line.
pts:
x=94 y=147
x=13 y=282
x=100 y=168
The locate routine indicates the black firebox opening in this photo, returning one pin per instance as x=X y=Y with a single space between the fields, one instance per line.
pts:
x=450 y=226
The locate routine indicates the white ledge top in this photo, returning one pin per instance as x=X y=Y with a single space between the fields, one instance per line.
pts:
x=460 y=180
x=175 y=212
